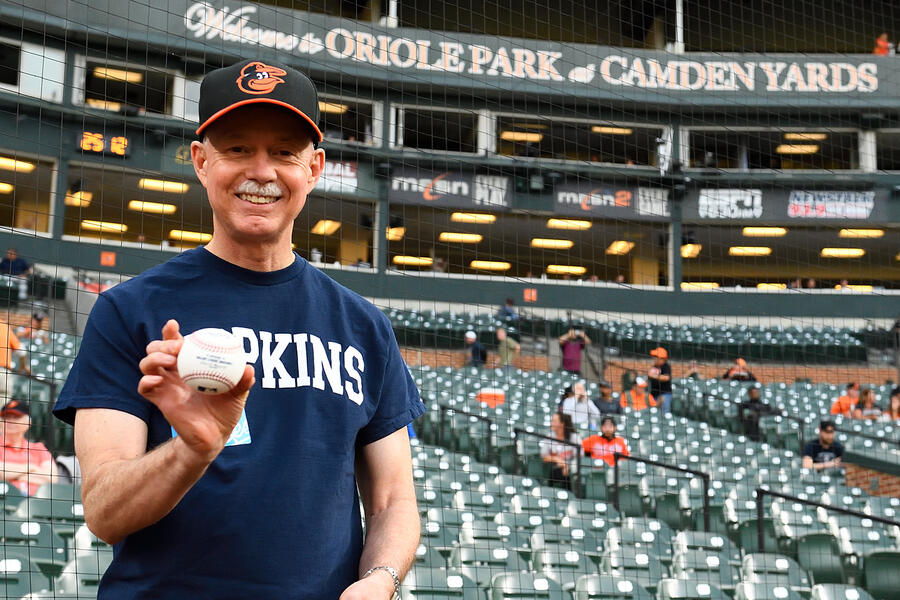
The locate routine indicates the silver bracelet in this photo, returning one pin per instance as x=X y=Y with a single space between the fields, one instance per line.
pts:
x=390 y=571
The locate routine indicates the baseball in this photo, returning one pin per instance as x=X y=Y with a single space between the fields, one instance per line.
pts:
x=211 y=361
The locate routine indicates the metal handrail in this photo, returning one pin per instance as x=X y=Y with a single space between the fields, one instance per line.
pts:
x=578 y=452
x=444 y=409
x=656 y=463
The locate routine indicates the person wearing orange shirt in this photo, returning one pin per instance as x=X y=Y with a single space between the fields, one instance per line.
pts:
x=845 y=404
x=9 y=343
x=739 y=371
x=882 y=45
x=25 y=464
x=603 y=447
x=638 y=398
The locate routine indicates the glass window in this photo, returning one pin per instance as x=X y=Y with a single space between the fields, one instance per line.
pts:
x=781 y=150
x=112 y=204
x=594 y=142
x=333 y=231
x=432 y=129
x=129 y=89
x=346 y=120
x=10 y=56
x=26 y=186
x=887 y=150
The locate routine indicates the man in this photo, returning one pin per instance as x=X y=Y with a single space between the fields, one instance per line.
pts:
x=637 y=397
x=823 y=453
x=508 y=310
x=846 y=404
x=571 y=344
x=660 y=376
x=477 y=353
x=605 y=403
x=251 y=493
x=739 y=371
x=750 y=410
x=603 y=447
x=508 y=349
x=26 y=465
x=9 y=347
x=579 y=406
x=15 y=270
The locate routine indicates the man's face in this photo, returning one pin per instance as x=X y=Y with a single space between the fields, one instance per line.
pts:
x=826 y=436
x=14 y=424
x=657 y=361
x=605 y=391
x=579 y=390
x=258 y=166
x=501 y=335
x=11 y=254
x=608 y=429
x=753 y=394
x=853 y=392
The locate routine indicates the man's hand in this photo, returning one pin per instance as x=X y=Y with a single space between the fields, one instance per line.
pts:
x=203 y=422
x=379 y=585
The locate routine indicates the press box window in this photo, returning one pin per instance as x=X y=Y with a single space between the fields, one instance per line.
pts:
x=780 y=150
x=582 y=141
x=887 y=150
x=347 y=120
x=10 y=58
x=25 y=188
x=127 y=89
x=439 y=130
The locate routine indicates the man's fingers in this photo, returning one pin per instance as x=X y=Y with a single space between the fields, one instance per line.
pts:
x=152 y=364
x=170 y=330
x=171 y=346
x=247 y=380
x=148 y=383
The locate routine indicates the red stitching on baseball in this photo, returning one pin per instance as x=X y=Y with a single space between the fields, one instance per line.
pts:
x=204 y=344
x=208 y=375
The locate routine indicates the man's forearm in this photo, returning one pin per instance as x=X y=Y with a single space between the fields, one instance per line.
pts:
x=124 y=496
x=392 y=536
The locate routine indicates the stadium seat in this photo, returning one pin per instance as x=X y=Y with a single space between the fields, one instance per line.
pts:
x=882 y=574
x=19 y=575
x=689 y=589
x=834 y=591
x=429 y=557
x=609 y=587
x=774 y=569
x=635 y=565
x=703 y=566
x=575 y=537
x=437 y=584
x=11 y=496
x=820 y=555
x=481 y=561
x=701 y=540
x=563 y=563
x=82 y=574
x=61 y=491
x=51 y=510
x=765 y=591
x=508 y=586
x=43 y=546
x=647 y=535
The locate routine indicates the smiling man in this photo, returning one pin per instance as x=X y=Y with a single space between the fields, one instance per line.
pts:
x=196 y=505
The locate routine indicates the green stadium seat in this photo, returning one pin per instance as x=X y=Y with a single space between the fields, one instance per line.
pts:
x=429 y=557
x=481 y=561
x=820 y=555
x=82 y=574
x=609 y=587
x=701 y=540
x=60 y=491
x=774 y=569
x=647 y=535
x=702 y=566
x=633 y=564
x=689 y=589
x=834 y=591
x=51 y=510
x=474 y=532
x=19 y=575
x=476 y=501
x=44 y=547
x=437 y=584
x=11 y=496
x=563 y=563
x=509 y=586
x=435 y=534
x=548 y=535
x=765 y=591
x=882 y=574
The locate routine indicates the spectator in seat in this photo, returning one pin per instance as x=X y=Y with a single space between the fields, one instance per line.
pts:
x=866 y=408
x=507 y=348
x=579 y=407
x=606 y=403
x=15 y=270
x=750 y=410
x=572 y=344
x=660 y=376
x=604 y=446
x=825 y=452
x=893 y=410
x=36 y=330
x=845 y=404
x=883 y=45
x=508 y=310
x=739 y=371
x=26 y=464
x=638 y=398
x=9 y=346
x=558 y=454
x=567 y=393
x=477 y=353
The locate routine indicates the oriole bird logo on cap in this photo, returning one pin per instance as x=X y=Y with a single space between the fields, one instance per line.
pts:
x=259 y=78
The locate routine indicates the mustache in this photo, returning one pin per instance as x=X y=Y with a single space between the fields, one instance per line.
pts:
x=251 y=187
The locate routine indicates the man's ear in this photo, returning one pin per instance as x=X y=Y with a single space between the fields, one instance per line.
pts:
x=199 y=158
x=316 y=168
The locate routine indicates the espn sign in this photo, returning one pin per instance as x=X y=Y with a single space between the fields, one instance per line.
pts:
x=450 y=189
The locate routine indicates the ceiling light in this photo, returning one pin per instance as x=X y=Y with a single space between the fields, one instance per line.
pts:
x=699 y=285
x=749 y=251
x=395 y=234
x=771 y=286
x=521 y=136
x=796 y=148
x=467 y=217
x=6 y=188
x=332 y=108
x=190 y=236
x=19 y=166
x=842 y=252
x=551 y=243
x=612 y=130
x=691 y=250
x=103 y=104
x=805 y=137
x=861 y=233
x=855 y=287
x=162 y=185
x=566 y=270
x=620 y=247
x=79 y=198
x=490 y=265
x=157 y=208
x=118 y=75
x=104 y=226
x=325 y=227
x=575 y=224
x=461 y=238
x=764 y=231
x=413 y=261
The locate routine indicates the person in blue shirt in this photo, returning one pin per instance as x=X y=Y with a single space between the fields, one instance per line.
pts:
x=15 y=270
x=251 y=493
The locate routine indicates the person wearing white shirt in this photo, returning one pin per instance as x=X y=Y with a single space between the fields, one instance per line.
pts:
x=579 y=406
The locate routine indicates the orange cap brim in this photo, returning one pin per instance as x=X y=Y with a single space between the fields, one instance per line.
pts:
x=293 y=109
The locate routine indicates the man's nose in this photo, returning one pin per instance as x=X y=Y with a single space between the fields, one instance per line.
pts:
x=260 y=168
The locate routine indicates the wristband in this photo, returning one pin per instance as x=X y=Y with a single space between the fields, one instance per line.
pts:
x=390 y=571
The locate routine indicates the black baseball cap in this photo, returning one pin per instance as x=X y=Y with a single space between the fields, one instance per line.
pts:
x=826 y=424
x=15 y=407
x=254 y=81
x=604 y=420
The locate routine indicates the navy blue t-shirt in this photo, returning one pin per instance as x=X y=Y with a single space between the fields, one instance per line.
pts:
x=276 y=515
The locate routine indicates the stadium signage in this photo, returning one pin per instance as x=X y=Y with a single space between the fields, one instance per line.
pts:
x=830 y=205
x=339 y=177
x=450 y=189
x=594 y=199
x=779 y=206
x=730 y=204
